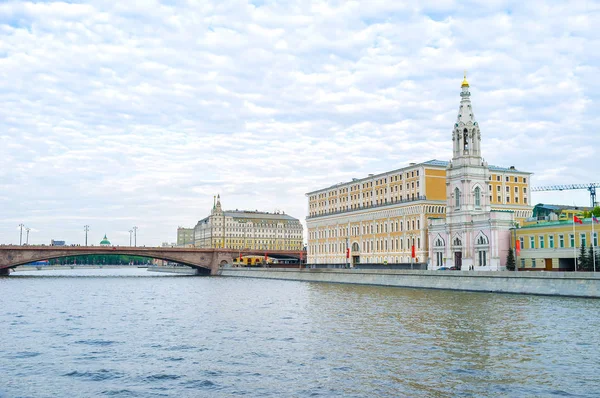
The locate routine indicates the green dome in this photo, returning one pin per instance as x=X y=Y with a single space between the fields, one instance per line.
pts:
x=104 y=242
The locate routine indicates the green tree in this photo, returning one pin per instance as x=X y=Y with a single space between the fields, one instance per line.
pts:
x=583 y=263
x=510 y=260
x=590 y=258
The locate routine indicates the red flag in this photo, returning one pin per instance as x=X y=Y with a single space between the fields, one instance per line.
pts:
x=240 y=256
x=347 y=252
x=266 y=257
x=413 y=251
x=518 y=247
x=577 y=220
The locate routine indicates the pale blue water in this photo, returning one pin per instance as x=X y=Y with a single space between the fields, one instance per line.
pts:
x=131 y=333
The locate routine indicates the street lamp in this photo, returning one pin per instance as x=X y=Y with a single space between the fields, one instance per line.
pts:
x=27 y=230
x=135 y=236
x=21 y=234
x=86 y=228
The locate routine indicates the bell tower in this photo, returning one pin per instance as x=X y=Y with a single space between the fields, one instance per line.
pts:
x=466 y=135
x=467 y=174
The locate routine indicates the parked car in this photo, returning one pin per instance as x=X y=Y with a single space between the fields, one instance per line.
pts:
x=443 y=268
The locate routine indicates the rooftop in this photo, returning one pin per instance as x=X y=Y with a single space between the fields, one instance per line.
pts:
x=258 y=215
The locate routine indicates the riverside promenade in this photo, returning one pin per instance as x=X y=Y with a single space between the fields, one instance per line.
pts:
x=570 y=284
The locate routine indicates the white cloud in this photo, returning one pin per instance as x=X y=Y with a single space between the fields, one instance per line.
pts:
x=121 y=113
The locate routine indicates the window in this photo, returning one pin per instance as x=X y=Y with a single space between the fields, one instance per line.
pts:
x=482 y=258
x=507 y=189
x=457 y=198
x=533 y=263
x=595 y=239
x=497 y=178
x=515 y=179
x=522 y=241
x=499 y=199
x=524 y=180
x=477 y=197
x=508 y=199
x=516 y=199
x=522 y=263
x=532 y=242
x=572 y=240
x=561 y=241
x=506 y=178
x=551 y=241
x=541 y=241
x=498 y=188
x=582 y=240
x=490 y=187
x=516 y=189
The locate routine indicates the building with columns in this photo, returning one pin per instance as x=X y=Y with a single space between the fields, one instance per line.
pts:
x=244 y=229
x=382 y=216
x=475 y=234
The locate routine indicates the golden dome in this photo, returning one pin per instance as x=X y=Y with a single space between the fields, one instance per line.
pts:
x=465 y=83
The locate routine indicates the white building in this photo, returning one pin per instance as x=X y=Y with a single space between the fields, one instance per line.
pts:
x=244 y=229
x=472 y=235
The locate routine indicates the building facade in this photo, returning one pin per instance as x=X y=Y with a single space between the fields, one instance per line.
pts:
x=381 y=217
x=474 y=235
x=554 y=245
x=256 y=230
x=185 y=236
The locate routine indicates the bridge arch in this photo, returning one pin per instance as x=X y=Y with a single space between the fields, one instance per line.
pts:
x=201 y=259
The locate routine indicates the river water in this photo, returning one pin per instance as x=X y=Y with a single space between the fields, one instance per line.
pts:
x=132 y=333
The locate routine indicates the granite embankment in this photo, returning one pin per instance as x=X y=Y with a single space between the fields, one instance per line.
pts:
x=579 y=284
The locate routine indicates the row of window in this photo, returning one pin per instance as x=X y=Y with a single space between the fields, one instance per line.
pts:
x=498 y=188
x=541 y=242
x=369 y=184
x=368 y=246
x=394 y=226
x=507 y=179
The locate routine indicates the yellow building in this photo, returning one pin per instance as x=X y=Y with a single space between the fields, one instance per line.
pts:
x=235 y=229
x=382 y=216
x=553 y=245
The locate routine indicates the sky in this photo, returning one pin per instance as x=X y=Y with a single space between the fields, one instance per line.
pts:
x=116 y=114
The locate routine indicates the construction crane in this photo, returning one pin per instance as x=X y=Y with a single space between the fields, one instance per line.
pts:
x=590 y=187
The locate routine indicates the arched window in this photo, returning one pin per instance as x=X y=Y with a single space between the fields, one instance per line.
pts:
x=457 y=198
x=466 y=139
x=477 y=197
x=355 y=247
x=482 y=240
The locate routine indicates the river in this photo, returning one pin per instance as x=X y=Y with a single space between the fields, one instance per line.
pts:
x=132 y=333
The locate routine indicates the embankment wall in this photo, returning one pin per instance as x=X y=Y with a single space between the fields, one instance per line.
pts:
x=579 y=284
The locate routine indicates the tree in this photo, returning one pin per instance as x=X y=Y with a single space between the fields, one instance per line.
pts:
x=590 y=257
x=510 y=260
x=583 y=263
x=595 y=211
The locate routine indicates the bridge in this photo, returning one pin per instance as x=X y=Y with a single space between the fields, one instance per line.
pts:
x=205 y=261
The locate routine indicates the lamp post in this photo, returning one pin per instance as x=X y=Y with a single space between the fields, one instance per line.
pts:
x=27 y=230
x=86 y=228
x=21 y=234
x=135 y=236
x=130 y=236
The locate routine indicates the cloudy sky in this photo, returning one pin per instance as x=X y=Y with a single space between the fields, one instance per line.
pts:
x=123 y=113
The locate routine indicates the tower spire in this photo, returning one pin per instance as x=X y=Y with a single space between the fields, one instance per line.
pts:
x=466 y=134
